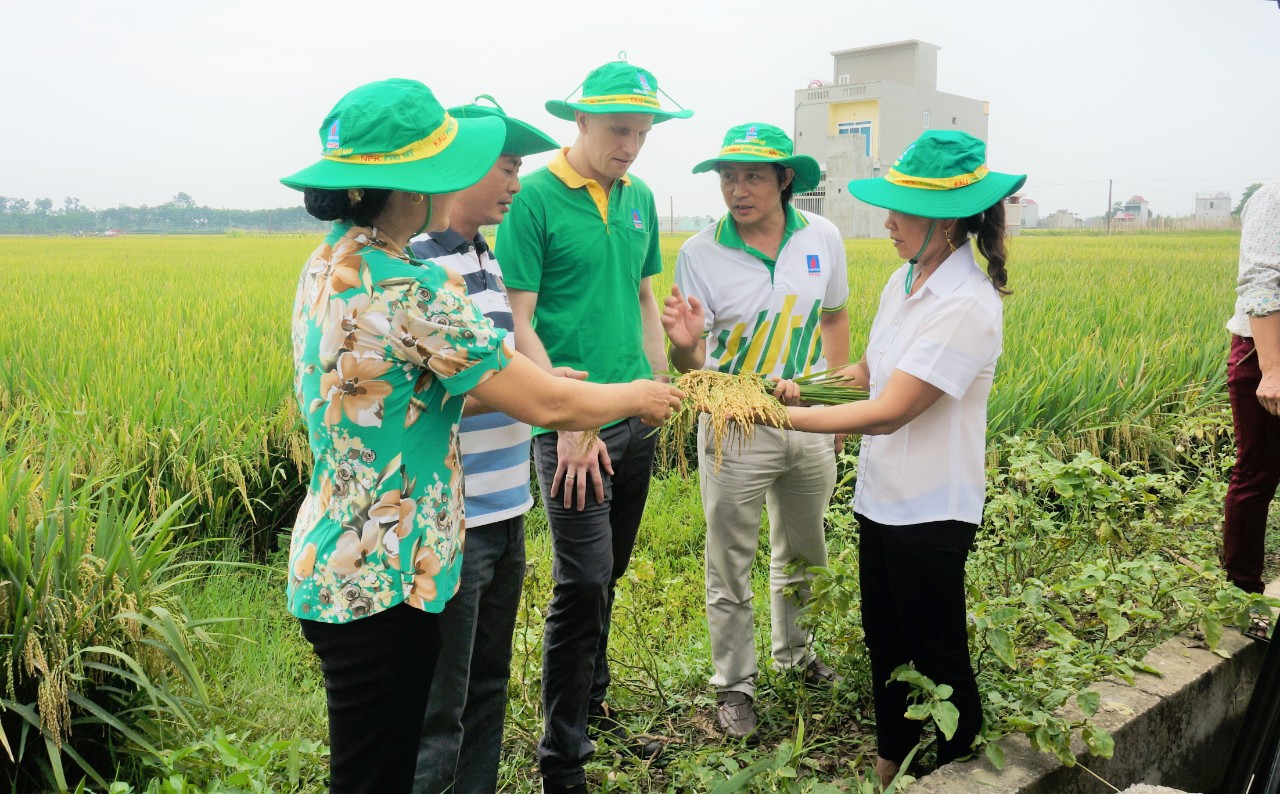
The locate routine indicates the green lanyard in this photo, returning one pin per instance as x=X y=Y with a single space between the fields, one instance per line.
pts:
x=915 y=260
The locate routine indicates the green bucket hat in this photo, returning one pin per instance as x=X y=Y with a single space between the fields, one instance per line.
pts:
x=393 y=134
x=765 y=143
x=618 y=87
x=523 y=139
x=942 y=175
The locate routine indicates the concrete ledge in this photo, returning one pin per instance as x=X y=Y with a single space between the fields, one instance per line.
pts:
x=1172 y=730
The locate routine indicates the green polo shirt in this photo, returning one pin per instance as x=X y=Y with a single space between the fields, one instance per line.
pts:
x=727 y=235
x=584 y=252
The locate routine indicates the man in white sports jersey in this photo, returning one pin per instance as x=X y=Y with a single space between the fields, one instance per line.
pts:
x=462 y=733
x=766 y=288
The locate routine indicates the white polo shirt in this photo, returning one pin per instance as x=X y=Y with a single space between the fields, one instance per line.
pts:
x=949 y=334
x=763 y=315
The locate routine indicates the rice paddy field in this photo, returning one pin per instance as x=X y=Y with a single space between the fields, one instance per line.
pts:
x=146 y=414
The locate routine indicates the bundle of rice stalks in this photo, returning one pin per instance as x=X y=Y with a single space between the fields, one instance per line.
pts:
x=734 y=405
x=828 y=388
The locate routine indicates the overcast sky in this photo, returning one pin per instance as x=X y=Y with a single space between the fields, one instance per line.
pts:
x=132 y=102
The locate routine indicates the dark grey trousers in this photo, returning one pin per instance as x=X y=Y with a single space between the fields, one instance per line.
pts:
x=592 y=548
x=462 y=733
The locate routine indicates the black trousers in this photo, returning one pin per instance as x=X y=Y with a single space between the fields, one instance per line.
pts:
x=913 y=610
x=377 y=676
x=592 y=548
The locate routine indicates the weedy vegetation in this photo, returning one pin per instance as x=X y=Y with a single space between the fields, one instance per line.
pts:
x=152 y=460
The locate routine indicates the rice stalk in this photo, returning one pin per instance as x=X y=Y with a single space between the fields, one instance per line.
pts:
x=734 y=405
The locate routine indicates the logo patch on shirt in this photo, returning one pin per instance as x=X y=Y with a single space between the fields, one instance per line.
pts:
x=332 y=141
x=636 y=221
x=814 y=266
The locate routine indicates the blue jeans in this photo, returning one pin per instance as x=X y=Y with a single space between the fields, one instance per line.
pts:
x=462 y=732
x=592 y=548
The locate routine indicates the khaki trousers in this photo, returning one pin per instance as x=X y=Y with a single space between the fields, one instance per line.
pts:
x=792 y=474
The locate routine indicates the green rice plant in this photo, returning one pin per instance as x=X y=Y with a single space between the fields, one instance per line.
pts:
x=100 y=660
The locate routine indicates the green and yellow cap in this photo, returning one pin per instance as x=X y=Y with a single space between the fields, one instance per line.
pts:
x=618 y=87
x=393 y=134
x=765 y=143
x=522 y=138
x=943 y=174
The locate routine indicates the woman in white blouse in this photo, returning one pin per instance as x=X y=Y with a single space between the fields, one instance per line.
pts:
x=928 y=367
x=1253 y=384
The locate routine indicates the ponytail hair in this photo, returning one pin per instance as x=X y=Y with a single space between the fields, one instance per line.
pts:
x=989 y=230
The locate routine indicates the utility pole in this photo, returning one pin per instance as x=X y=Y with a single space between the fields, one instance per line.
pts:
x=671 y=212
x=1109 y=205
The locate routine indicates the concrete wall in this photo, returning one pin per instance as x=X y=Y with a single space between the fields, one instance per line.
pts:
x=1213 y=206
x=1176 y=729
x=902 y=111
x=910 y=62
x=845 y=162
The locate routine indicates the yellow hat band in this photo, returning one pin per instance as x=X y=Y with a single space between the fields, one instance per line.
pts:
x=622 y=99
x=430 y=146
x=935 y=183
x=759 y=151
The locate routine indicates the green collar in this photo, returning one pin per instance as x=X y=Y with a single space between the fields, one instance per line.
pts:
x=727 y=234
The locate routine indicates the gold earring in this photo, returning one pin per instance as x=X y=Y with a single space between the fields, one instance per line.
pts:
x=355 y=195
x=418 y=199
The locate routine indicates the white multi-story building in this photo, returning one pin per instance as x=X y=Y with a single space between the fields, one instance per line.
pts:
x=880 y=99
x=1213 y=207
x=1020 y=213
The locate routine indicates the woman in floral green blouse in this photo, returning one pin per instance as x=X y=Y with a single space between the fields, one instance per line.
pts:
x=385 y=347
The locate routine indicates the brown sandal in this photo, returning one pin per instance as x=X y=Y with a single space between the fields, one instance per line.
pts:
x=1259 y=626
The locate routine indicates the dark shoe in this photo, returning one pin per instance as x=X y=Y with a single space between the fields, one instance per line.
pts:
x=818 y=673
x=603 y=725
x=559 y=788
x=736 y=715
x=1259 y=625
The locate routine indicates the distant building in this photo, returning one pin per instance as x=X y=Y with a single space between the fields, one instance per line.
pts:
x=880 y=99
x=1134 y=212
x=1062 y=219
x=1030 y=213
x=1213 y=207
x=685 y=223
x=1020 y=213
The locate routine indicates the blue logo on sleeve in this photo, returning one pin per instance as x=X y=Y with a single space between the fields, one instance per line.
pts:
x=636 y=220
x=814 y=266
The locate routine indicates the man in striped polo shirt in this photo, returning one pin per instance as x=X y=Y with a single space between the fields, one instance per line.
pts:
x=462 y=734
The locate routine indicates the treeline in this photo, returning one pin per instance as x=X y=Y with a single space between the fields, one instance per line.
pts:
x=179 y=215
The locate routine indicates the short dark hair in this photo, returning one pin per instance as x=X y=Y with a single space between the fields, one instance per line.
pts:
x=331 y=205
x=786 y=191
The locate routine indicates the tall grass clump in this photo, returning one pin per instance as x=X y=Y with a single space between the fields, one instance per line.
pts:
x=100 y=662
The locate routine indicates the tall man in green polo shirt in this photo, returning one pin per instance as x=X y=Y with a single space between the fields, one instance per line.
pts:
x=578 y=250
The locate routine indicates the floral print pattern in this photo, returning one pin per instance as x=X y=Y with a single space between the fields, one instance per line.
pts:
x=1258 y=285
x=384 y=349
